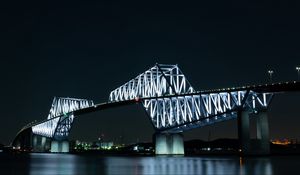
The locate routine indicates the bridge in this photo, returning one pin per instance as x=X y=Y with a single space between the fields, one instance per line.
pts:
x=173 y=107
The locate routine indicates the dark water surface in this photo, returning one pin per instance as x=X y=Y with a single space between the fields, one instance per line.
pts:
x=48 y=164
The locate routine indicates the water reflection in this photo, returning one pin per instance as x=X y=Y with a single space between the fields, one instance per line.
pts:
x=47 y=164
x=187 y=165
x=255 y=166
x=53 y=164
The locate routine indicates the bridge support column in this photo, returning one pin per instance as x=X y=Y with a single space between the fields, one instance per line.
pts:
x=65 y=146
x=43 y=143
x=262 y=133
x=169 y=144
x=34 y=143
x=243 y=132
x=38 y=143
x=54 y=146
x=59 y=146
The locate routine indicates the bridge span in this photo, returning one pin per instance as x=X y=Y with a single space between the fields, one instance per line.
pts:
x=173 y=107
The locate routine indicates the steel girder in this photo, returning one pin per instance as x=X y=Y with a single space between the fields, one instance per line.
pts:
x=60 y=117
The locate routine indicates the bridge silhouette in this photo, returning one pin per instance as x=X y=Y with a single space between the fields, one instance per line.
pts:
x=173 y=107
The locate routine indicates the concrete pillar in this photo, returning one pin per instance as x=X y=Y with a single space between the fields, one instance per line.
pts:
x=65 y=146
x=43 y=143
x=161 y=144
x=262 y=133
x=169 y=144
x=244 y=132
x=54 y=146
x=59 y=146
x=38 y=143
x=34 y=143
x=177 y=144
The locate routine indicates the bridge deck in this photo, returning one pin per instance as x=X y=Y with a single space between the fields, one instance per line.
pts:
x=271 y=88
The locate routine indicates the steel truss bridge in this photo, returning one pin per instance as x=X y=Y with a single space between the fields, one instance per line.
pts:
x=171 y=102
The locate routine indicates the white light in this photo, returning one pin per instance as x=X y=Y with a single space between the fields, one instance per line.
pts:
x=270 y=71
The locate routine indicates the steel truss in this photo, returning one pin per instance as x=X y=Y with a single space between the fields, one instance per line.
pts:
x=169 y=100
x=157 y=81
x=60 y=117
x=175 y=114
x=173 y=105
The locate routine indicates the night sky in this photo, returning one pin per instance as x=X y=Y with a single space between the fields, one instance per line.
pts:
x=86 y=49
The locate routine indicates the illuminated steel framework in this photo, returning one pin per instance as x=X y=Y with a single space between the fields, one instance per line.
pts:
x=173 y=105
x=60 y=117
x=183 y=112
x=170 y=101
x=158 y=81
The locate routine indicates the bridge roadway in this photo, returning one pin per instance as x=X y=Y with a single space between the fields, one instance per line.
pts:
x=270 y=88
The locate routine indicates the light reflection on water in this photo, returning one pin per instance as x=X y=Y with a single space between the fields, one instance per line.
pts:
x=187 y=165
x=47 y=164
x=52 y=164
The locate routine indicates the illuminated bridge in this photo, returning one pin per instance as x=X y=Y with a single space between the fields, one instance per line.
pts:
x=173 y=106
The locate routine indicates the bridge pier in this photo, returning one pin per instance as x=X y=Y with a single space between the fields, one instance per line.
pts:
x=59 y=146
x=169 y=144
x=34 y=142
x=43 y=144
x=38 y=143
x=262 y=144
x=243 y=132
x=262 y=133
